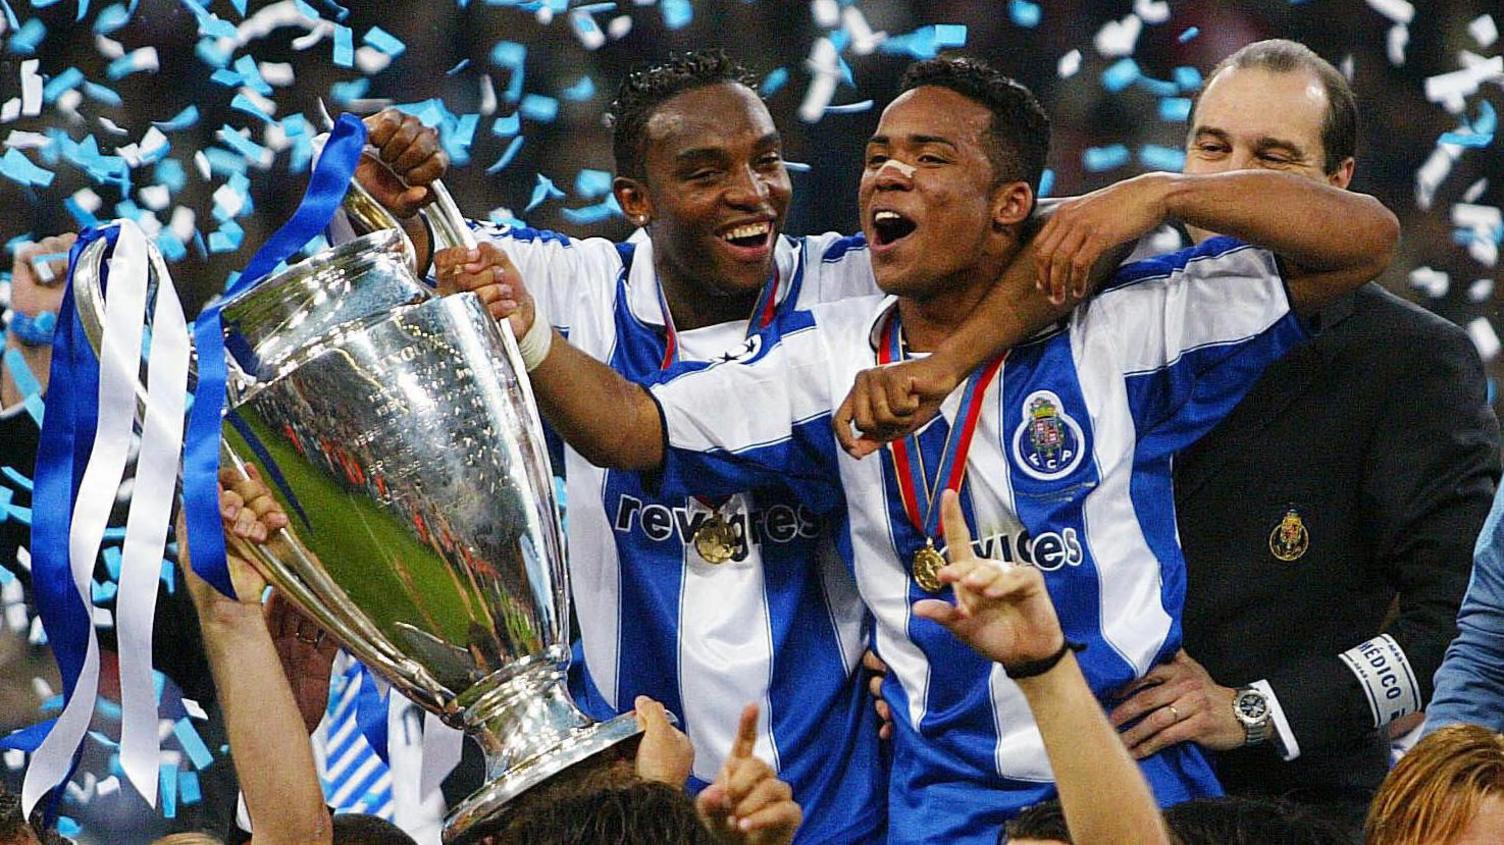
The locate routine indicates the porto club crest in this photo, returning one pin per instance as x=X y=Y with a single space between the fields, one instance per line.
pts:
x=1048 y=443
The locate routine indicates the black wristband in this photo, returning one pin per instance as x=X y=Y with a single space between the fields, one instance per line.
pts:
x=1035 y=668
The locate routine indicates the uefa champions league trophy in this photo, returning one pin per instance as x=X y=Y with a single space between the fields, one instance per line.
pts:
x=397 y=430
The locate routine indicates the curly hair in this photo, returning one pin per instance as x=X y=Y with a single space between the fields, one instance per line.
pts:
x=1019 y=133
x=1433 y=792
x=648 y=87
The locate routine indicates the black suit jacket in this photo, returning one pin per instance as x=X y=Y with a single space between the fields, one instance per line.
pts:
x=1379 y=435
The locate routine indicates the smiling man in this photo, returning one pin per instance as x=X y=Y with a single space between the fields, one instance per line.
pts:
x=1067 y=440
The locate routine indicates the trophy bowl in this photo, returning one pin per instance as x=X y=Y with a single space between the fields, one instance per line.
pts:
x=398 y=432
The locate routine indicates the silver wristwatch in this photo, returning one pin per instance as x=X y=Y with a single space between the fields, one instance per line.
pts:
x=1251 y=708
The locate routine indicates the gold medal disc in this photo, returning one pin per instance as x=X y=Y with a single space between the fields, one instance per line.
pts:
x=927 y=565
x=715 y=540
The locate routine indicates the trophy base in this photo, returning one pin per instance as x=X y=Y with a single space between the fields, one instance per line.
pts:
x=468 y=820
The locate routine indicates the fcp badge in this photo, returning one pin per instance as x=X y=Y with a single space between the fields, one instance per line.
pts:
x=1289 y=539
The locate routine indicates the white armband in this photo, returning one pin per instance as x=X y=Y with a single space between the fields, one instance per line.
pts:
x=1386 y=677
x=534 y=345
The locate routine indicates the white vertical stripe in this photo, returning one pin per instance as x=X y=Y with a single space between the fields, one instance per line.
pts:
x=725 y=645
x=842 y=601
x=1134 y=620
x=594 y=574
x=119 y=357
x=146 y=524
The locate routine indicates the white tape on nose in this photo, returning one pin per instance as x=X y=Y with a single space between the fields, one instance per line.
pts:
x=904 y=170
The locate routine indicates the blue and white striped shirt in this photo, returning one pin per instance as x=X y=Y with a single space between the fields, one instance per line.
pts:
x=1151 y=363
x=779 y=624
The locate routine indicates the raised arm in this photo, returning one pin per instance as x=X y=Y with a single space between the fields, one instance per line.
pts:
x=273 y=757
x=1331 y=240
x=1003 y=611
x=609 y=420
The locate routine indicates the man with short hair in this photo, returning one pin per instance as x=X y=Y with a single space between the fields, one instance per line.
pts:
x=1354 y=476
x=1159 y=354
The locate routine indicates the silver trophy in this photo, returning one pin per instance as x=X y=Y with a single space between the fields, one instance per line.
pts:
x=398 y=431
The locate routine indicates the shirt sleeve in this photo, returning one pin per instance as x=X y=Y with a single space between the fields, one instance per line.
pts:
x=841 y=266
x=1193 y=331
x=564 y=274
x=760 y=419
x=1470 y=682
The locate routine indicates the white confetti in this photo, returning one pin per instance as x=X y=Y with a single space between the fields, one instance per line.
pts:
x=1399 y=11
x=195 y=710
x=15 y=758
x=103 y=618
x=863 y=40
x=1152 y=11
x=1347 y=67
x=1399 y=38
x=1483 y=221
x=1485 y=338
x=17 y=619
x=37 y=635
x=279 y=74
x=317 y=33
x=229 y=199
x=259 y=101
x=827 y=13
x=1475 y=190
x=11 y=110
x=87 y=199
x=275 y=138
x=182 y=223
x=619 y=27
x=108 y=47
x=67 y=104
x=586 y=30
x=77 y=791
x=487 y=95
x=108 y=786
x=1433 y=282
x=41 y=688
x=825 y=75
x=1069 y=64
x=20 y=140
x=1480 y=290
x=31 y=88
x=1451 y=89
x=370 y=60
x=112 y=127
x=1117 y=38
x=1484 y=30
x=23 y=558
x=156 y=197
x=1431 y=174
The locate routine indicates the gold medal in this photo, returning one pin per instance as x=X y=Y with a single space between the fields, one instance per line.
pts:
x=927 y=565
x=715 y=540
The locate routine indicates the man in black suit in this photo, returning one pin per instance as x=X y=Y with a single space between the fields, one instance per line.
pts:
x=1328 y=522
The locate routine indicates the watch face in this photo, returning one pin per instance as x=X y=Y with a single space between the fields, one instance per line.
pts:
x=1252 y=706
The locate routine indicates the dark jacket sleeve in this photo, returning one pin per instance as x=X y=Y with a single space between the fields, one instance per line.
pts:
x=1431 y=466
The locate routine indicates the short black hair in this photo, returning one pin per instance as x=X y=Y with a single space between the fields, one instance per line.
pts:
x=1339 y=130
x=648 y=87
x=359 y=829
x=1045 y=820
x=640 y=813
x=1020 y=130
x=1235 y=820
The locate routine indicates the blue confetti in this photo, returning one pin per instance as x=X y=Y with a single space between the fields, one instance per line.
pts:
x=68 y=827
x=464 y=63
x=506 y=156
x=1175 y=109
x=172 y=248
x=677 y=14
x=1157 y=87
x=849 y=108
x=103 y=592
x=950 y=35
x=542 y=191
x=26 y=39
x=1188 y=78
x=18 y=168
x=246 y=105
x=539 y=108
x=170 y=172
x=247 y=148
x=509 y=125
x=81 y=216
x=797 y=167
x=225 y=77
x=15 y=475
x=588 y=214
x=246 y=67
x=169 y=576
x=1120 y=75
x=224 y=162
x=193 y=744
x=344 y=46
x=1024 y=13
x=209 y=53
x=169 y=790
x=343 y=92
x=63 y=82
x=1046 y=182
x=1158 y=157
x=590 y=183
x=580 y=91
x=6 y=576
x=384 y=41
x=1099 y=159
x=1189 y=33
x=31 y=397
x=10 y=16
x=101 y=94
x=124 y=66
x=508 y=54
x=188 y=788
x=775 y=80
